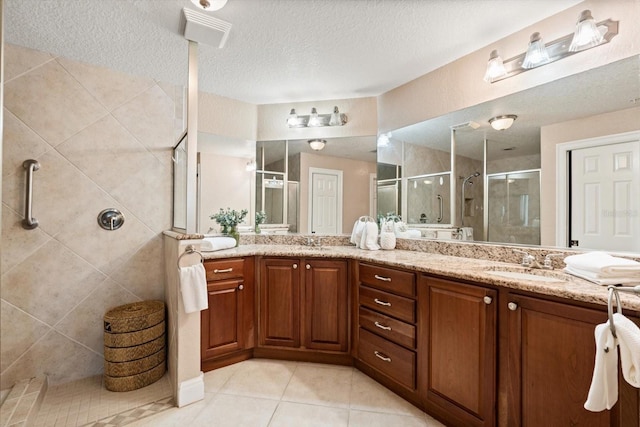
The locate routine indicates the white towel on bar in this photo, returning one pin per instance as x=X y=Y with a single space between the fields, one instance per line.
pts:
x=602 y=279
x=603 y=393
x=604 y=264
x=211 y=244
x=628 y=335
x=193 y=287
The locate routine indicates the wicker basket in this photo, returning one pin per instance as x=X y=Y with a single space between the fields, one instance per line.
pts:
x=134 y=345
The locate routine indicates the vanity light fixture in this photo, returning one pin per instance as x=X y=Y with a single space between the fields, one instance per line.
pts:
x=209 y=5
x=384 y=139
x=502 y=122
x=539 y=53
x=317 y=144
x=251 y=166
x=316 y=120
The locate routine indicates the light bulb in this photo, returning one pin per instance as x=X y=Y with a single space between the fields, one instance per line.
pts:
x=293 y=118
x=335 y=120
x=495 y=67
x=314 y=120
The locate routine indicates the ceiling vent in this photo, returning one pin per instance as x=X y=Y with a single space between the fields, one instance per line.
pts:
x=466 y=126
x=202 y=28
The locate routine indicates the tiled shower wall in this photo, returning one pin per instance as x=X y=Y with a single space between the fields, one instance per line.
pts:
x=103 y=140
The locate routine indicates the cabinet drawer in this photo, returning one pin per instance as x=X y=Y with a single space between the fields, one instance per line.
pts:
x=399 y=332
x=224 y=269
x=389 y=304
x=400 y=282
x=389 y=358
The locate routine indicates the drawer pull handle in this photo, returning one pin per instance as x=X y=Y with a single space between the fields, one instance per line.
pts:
x=384 y=279
x=377 y=301
x=381 y=326
x=225 y=270
x=382 y=356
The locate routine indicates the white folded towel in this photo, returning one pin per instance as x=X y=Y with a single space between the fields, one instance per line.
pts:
x=356 y=234
x=193 y=287
x=604 y=264
x=628 y=336
x=370 y=237
x=602 y=279
x=603 y=393
x=211 y=244
x=466 y=233
x=413 y=233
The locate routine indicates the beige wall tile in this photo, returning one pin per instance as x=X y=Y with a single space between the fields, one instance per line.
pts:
x=84 y=321
x=20 y=59
x=19 y=332
x=20 y=143
x=142 y=273
x=57 y=357
x=52 y=103
x=17 y=243
x=111 y=88
x=50 y=282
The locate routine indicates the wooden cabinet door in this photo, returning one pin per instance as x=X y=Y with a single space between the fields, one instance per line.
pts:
x=280 y=302
x=326 y=309
x=551 y=359
x=458 y=353
x=223 y=322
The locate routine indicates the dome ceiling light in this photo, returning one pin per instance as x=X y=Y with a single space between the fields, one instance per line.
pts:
x=502 y=122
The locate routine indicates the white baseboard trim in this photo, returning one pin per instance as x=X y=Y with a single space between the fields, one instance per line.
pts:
x=190 y=391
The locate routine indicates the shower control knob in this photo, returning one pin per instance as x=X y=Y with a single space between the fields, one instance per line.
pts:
x=512 y=306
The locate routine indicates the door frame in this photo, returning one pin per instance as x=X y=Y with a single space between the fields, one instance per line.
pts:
x=562 y=176
x=336 y=172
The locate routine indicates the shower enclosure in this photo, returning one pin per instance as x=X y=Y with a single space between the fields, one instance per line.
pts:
x=513 y=207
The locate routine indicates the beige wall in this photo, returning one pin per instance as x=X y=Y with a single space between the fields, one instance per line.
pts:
x=355 y=187
x=227 y=117
x=460 y=84
x=103 y=140
x=587 y=127
x=361 y=113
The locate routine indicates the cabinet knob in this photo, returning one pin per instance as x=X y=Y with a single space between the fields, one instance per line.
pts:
x=295 y=266
x=240 y=287
x=512 y=306
x=308 y=267
x=487 y=300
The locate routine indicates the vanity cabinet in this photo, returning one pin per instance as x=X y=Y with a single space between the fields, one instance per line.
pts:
x=458 y=351
x=551 y=354
x=227 y=326
x=387 y=334
x=304 y=304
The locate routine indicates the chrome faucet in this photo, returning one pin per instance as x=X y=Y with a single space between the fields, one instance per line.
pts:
x=528 y=260
x=314 y=243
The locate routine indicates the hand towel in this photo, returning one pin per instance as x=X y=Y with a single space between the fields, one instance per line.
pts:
x=466 y=233
x=628 y=335
x=603 y=392
x=356 y=234
x=211 y=244
x=603 y=263
x=193 y=287
x=602 y=279
x=413 y=233
x=370 y=237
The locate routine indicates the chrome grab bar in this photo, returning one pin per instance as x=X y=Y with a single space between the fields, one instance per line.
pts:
x=29 y=223
x=439 y=219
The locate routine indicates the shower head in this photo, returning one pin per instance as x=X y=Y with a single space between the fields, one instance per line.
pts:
x=467 y=180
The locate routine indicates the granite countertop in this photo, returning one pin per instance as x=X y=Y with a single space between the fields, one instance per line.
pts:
x=475 y=270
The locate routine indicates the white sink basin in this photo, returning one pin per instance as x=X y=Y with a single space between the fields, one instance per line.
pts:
x=525 y=276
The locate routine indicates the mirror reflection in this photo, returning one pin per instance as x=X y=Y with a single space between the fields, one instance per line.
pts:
x=497 y=175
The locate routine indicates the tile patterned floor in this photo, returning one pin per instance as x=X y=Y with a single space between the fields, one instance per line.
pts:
x=253 y=393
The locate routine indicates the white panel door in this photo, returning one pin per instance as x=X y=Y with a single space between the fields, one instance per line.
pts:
x=605 y=197
x=326 y=206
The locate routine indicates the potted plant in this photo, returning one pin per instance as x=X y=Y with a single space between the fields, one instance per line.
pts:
x=229 y=220
x=261 y=217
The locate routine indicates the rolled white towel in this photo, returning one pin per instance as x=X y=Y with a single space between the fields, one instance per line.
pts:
x=603 y=393
x=193 y=287
x=601 y=279
x=211 y=244
x=605 y=264
x=628 y=335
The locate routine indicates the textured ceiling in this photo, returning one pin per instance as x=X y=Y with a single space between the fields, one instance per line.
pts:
x=278 y=50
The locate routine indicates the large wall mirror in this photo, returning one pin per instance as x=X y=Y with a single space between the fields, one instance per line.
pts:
x=496 y=175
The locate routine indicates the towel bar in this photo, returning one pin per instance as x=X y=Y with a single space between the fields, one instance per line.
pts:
x=614 y=292
x=190 y=249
